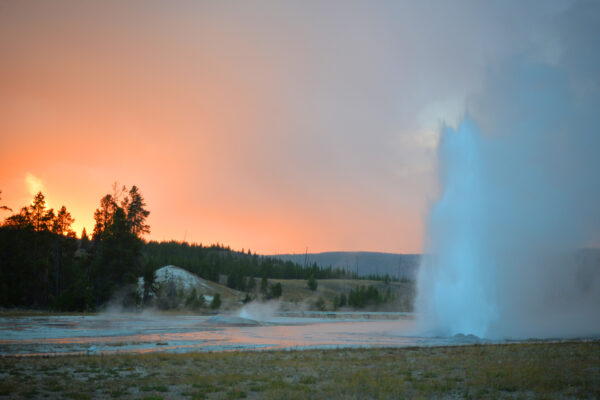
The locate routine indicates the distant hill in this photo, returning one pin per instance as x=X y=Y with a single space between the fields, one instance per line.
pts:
x=363 y=262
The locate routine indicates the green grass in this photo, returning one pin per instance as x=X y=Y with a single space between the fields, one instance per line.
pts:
x=531 y=370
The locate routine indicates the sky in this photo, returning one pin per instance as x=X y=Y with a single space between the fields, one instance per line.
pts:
x=271 y=126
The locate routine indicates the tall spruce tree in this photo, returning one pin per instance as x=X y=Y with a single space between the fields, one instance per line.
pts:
x=136 y=212
x=85 y=241
x=103 y=216
x=41 y=219
x=120 y=223
x=62 y=223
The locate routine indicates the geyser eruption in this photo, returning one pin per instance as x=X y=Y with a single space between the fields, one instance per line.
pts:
x=510 y=245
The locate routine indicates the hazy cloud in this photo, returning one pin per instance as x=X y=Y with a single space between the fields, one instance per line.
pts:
x=313 y=123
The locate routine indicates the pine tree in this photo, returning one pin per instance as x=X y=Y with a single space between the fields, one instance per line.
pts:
x=103 y=216
x=85 y=241
x=117 y=243
x=276 y=290
x=264 y=284
x=40 y=218
x=343 y=300
x=62 y=223
x=121 y=247
x=251 y=284
x=137 y=213
x=150 y=285
x=216 y=301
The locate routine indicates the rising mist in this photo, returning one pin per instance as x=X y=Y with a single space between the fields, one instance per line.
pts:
x=510 y=237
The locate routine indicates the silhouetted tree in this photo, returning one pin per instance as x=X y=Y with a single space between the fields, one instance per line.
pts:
x=3 y=207
x=41 y=219
x=103 y=216
x=36 y=255
x=137 y=213
x=62 y=223
x=39 y=266
x=20 y=221
x=61 y=227
x=120 y=221
x=85 y=241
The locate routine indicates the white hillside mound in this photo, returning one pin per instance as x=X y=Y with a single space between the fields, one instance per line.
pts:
x=183 y=280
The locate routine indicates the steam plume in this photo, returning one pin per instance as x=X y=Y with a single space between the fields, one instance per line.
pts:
x=520 y=200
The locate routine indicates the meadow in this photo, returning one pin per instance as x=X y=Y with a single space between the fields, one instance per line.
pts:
x=557 y=370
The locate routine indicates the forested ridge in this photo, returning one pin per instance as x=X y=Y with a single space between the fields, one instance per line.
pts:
x=44 y=265
x=209 y=262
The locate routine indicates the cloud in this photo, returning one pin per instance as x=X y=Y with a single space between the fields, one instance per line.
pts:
x=34 y=184
x=271 y=111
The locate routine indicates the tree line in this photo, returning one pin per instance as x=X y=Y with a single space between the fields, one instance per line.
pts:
x=44 y=265
x=237 y=269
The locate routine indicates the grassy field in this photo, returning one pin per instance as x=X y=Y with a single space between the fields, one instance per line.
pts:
x=295 y=296
x=296 y=292
x=533 y=370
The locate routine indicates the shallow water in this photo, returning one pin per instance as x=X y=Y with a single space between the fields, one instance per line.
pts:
x=139 y=333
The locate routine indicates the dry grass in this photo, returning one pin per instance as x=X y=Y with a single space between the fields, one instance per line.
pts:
x=295 y=296
x=296 y=291
x=534 y=370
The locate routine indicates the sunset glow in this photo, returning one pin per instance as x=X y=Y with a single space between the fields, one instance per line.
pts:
x=231 y=138
x=261 y=126
x=281 y=199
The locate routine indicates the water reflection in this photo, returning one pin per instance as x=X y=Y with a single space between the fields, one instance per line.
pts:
x=146 y=333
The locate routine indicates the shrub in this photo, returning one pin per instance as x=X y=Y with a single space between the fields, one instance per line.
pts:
x=216 y=301
x=363 y=296
x=193 y=301
x=276 y=290
x=320 y=304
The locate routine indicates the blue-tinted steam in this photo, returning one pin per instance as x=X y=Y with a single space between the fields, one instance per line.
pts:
x=519 y=201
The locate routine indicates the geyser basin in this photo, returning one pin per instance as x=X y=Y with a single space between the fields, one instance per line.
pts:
x=134 y=333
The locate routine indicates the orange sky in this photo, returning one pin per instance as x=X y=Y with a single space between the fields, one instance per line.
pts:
x=267 y=127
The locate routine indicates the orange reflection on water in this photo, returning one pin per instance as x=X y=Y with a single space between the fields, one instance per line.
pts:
x=200 y=337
